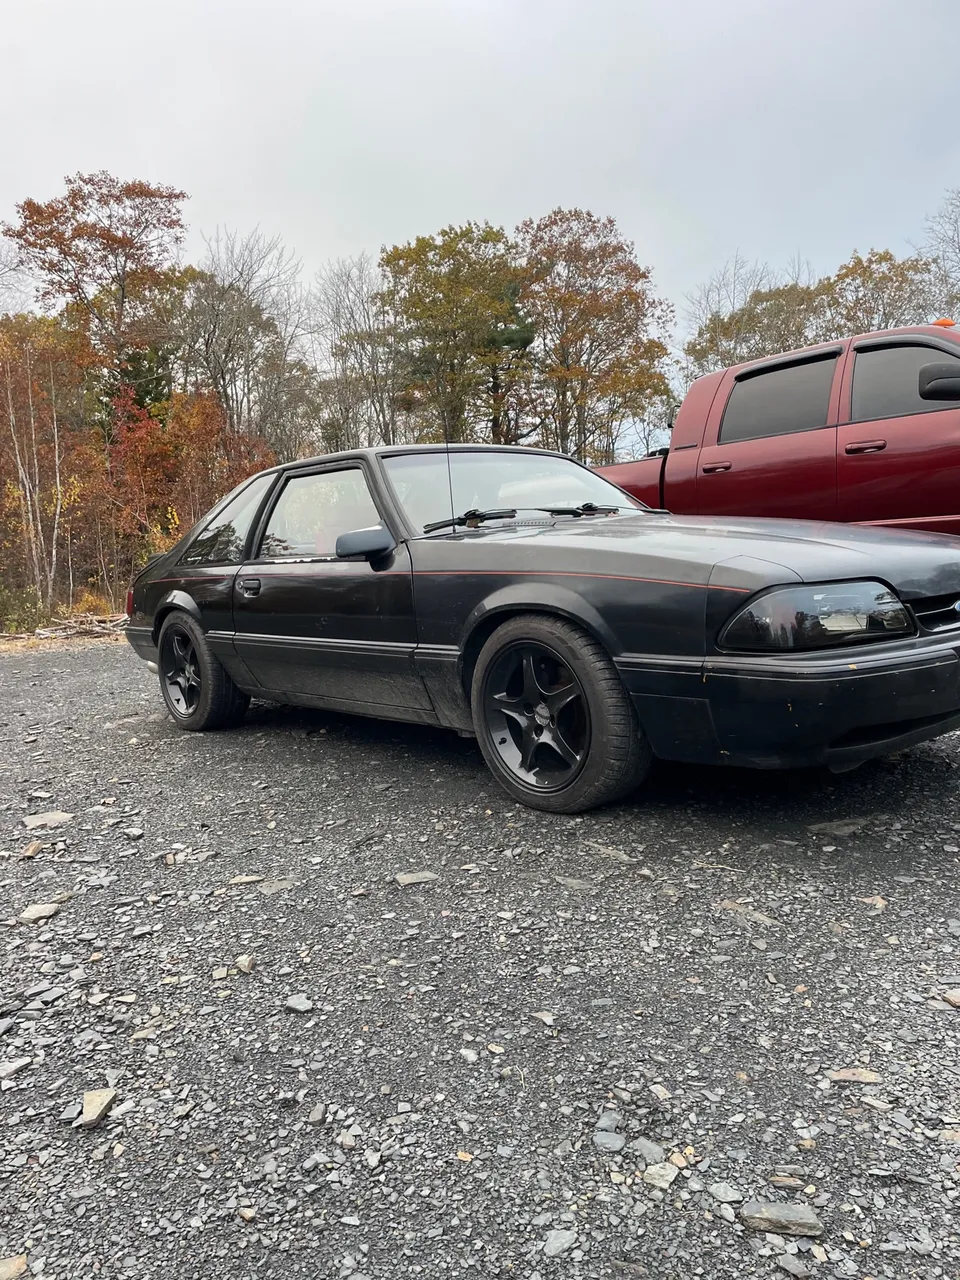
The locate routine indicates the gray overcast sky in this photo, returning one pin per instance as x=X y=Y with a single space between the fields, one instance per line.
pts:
x=703 y=126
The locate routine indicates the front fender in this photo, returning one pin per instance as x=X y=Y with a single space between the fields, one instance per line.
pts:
x=541 y=597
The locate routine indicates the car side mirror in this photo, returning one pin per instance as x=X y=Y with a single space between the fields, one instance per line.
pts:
x=939 y=381
x=367 y=544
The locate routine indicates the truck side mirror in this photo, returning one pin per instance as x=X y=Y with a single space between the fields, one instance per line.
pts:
x=939 y=381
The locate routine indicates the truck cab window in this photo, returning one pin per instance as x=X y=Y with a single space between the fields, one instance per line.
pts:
x=885 y=382
x=779 y=402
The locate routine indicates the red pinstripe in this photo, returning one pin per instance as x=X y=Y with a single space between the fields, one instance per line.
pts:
x=503 y=573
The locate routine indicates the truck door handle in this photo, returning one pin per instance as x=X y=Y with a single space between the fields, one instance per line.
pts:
x=711 y=467
x=250 y=586
x=866 y=446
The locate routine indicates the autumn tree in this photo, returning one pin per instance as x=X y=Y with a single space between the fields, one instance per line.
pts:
x=101 y=248
x=599 y=349
x=879 y=291
x=746 y=311
x=942 y=247
x=354 y=349
x=14 y=288
x=41 y=370
x=459 y=329
x=241 y=331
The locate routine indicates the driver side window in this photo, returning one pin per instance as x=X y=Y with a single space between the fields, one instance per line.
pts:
x=313 y=511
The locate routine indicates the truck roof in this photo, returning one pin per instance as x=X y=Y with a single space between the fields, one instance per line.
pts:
x=939 y=329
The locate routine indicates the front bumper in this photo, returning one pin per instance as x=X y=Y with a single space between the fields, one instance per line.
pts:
x=790 y=711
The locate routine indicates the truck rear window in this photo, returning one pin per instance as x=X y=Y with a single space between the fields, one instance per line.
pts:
x=780 y=401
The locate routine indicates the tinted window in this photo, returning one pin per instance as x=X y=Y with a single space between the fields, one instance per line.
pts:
x=312 y=512
x=779 y=402
x=885 y=382
x=224 y=539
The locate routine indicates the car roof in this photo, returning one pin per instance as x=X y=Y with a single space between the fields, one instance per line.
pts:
x=396 y=450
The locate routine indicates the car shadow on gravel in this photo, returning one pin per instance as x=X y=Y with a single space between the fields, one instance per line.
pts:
x=365 y=731
x=896 y=785
x=898 y=782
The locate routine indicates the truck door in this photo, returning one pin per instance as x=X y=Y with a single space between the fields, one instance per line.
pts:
x=770 y=447
x=898 y=457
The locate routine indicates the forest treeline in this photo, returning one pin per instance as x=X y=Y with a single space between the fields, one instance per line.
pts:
x=136 y=388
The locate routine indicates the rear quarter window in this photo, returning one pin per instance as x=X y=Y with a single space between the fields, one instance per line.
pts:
x=224 y=539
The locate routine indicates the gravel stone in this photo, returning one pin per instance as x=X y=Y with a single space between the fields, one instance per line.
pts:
x=558 y=1242
x=660 y=1175
x=724 y=1193
x=52 y=818
x=783 y=1219
x=610 y=1142
x=37 y=912
x=792 y=1265
x=415 y=877
x=96 y=1104
x=649 y=1152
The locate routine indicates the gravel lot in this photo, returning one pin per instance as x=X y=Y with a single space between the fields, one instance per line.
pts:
x=578 y=1051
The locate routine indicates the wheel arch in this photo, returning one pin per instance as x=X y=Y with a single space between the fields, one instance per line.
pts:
x=510 y=602
x=171 y=601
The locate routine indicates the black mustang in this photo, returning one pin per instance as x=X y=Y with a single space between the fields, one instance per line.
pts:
x=514 y=594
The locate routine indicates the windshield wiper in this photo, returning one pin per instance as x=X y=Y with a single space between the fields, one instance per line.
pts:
x=470 y=519
x=585 y=509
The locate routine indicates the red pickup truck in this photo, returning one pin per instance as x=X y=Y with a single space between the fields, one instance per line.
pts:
x=865 y=430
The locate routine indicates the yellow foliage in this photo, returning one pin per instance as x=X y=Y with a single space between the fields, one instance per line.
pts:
x=91 y=602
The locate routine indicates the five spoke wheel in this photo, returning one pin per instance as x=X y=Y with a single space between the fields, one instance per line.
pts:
x=180 y=671
x=537 y=715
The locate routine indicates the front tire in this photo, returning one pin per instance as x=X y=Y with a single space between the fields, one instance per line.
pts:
x=555 y=724
x=197 y=691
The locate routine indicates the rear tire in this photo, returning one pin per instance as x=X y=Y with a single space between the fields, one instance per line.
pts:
x=555 y=724
x=196 y=689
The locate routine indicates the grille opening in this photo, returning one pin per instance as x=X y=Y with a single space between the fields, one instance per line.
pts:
x=937 y=613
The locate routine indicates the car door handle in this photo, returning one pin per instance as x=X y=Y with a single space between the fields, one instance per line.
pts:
x=712 y=467
x=250 y=586
x=866 y=446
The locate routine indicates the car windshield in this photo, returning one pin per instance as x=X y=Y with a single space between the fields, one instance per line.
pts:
x=487 y=480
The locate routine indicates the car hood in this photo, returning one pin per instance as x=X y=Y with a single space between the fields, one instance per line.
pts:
x=747 y=553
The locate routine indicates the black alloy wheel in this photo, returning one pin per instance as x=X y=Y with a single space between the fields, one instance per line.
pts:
x=180 y=671
x=556 y=726
x=537 y=715
x=196 y=688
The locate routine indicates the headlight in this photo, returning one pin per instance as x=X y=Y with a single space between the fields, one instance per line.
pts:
x=796 y=618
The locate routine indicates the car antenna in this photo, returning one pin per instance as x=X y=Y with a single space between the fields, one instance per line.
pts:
x=446 y=443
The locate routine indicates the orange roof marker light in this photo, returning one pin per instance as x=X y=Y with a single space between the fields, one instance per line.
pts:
x=947 y=324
